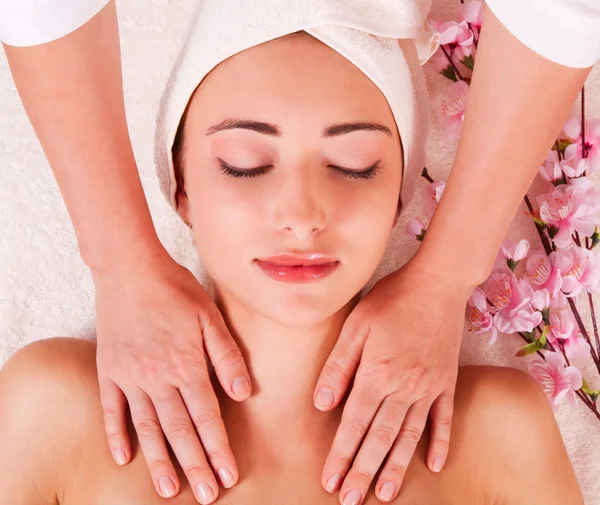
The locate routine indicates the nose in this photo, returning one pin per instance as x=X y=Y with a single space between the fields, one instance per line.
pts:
x=299 y=207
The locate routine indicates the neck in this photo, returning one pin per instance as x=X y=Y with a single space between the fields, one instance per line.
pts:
x=284 y=365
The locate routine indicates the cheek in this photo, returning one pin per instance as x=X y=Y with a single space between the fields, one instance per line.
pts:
x=224 y=217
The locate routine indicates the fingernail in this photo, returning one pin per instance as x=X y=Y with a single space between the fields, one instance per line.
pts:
x=438 y=463
x=387 y=490
x=241 y=387
x=167 y=486
x=324 y=398
x=333 y=482
x=205 y=493
x=119 y=456
x=226 y=477
x=352 y=497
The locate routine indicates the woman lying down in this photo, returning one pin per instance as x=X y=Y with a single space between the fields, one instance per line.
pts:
x=286 y=146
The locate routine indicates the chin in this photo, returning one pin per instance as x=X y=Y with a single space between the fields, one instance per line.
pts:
x=300 y=315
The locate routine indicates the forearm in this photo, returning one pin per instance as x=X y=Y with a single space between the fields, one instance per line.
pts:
x=72 y=91
x=518 y=103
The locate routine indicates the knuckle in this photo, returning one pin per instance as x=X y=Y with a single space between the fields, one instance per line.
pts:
x=358 y=427
x=157 y=466
x=363 y=475
x=442 y=444
x=444 y=421
x=178 y=427
x=397 y=470
x=411 y=433
x=385 y=435
x=231 y=359
x=206 y=420
x=194 y=469
x=147 y=428
x=111 y=413
x=335 y=371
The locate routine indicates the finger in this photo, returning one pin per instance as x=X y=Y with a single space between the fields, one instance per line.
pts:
x=203 y=406
x=441 y=427
x=226 y=357
x=181 y=434
x=358 y=413
x=340 y=367
x=377 y=444
x=152 y=443
x=402 y=451
x=114 y=405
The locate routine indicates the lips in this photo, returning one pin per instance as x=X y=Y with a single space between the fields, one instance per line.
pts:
x=298 y=268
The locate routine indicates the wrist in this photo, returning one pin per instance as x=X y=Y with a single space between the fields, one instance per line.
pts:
x=137 y=254
x=448 y=266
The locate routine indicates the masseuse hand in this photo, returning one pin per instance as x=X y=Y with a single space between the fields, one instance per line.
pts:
x=406 y=334
x=154 y=321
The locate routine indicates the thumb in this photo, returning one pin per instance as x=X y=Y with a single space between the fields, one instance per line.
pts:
x=340 y=367
x=225 y=356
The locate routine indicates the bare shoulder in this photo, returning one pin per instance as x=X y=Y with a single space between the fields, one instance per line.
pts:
x=45 y=403
x=503 y=427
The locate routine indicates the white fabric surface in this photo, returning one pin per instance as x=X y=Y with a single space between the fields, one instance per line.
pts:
x=564 y=31
x=31 y=22
x=46 y=290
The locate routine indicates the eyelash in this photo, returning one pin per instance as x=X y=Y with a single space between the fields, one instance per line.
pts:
x=367 y=173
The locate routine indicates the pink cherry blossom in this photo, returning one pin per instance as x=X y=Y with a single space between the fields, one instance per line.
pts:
x=551 y=169
x=580 y=270
x=452 y=109
x=572 y=131
x=576 y=346
x=481 y=320
x=458 y=37
x=542 y=273
x=515 y=251
x=502 y=290
x=567 y=209
x=415 y=227
x=558 y=382
x=564 y=330
x=574 y=168
x=431 y=197
x=525 y=318
x=510 y=299
x=562 y=326
x=541 y=299
x=472 y=12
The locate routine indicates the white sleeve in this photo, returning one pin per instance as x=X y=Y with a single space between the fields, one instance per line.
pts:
x=32 y=22
x=564 y=31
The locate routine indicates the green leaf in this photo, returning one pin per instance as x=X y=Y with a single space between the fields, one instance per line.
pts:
x=563 y=144
x=449 y=73
x=595 y=238
x=552 y=231
x=539 y=222
x=512 y=264
x=544 y=335
x=546 y=315
x=593 y=393
x=468 y=62
x=530 y=349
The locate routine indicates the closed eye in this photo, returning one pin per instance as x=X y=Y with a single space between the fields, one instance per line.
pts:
x=238 y=173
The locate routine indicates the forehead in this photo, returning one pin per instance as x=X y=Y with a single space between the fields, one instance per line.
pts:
x=293 y=77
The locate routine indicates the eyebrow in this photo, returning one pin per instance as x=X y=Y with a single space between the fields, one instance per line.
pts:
x=274 y=130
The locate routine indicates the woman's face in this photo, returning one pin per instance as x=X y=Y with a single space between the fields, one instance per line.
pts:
x=288 y=178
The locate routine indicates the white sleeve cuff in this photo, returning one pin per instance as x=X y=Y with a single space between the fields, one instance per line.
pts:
x=564 y=31
x=32 y=22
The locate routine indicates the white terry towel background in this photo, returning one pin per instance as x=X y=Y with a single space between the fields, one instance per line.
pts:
x=46 y=290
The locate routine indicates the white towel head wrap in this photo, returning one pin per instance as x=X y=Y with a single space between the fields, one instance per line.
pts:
x=387 y=40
